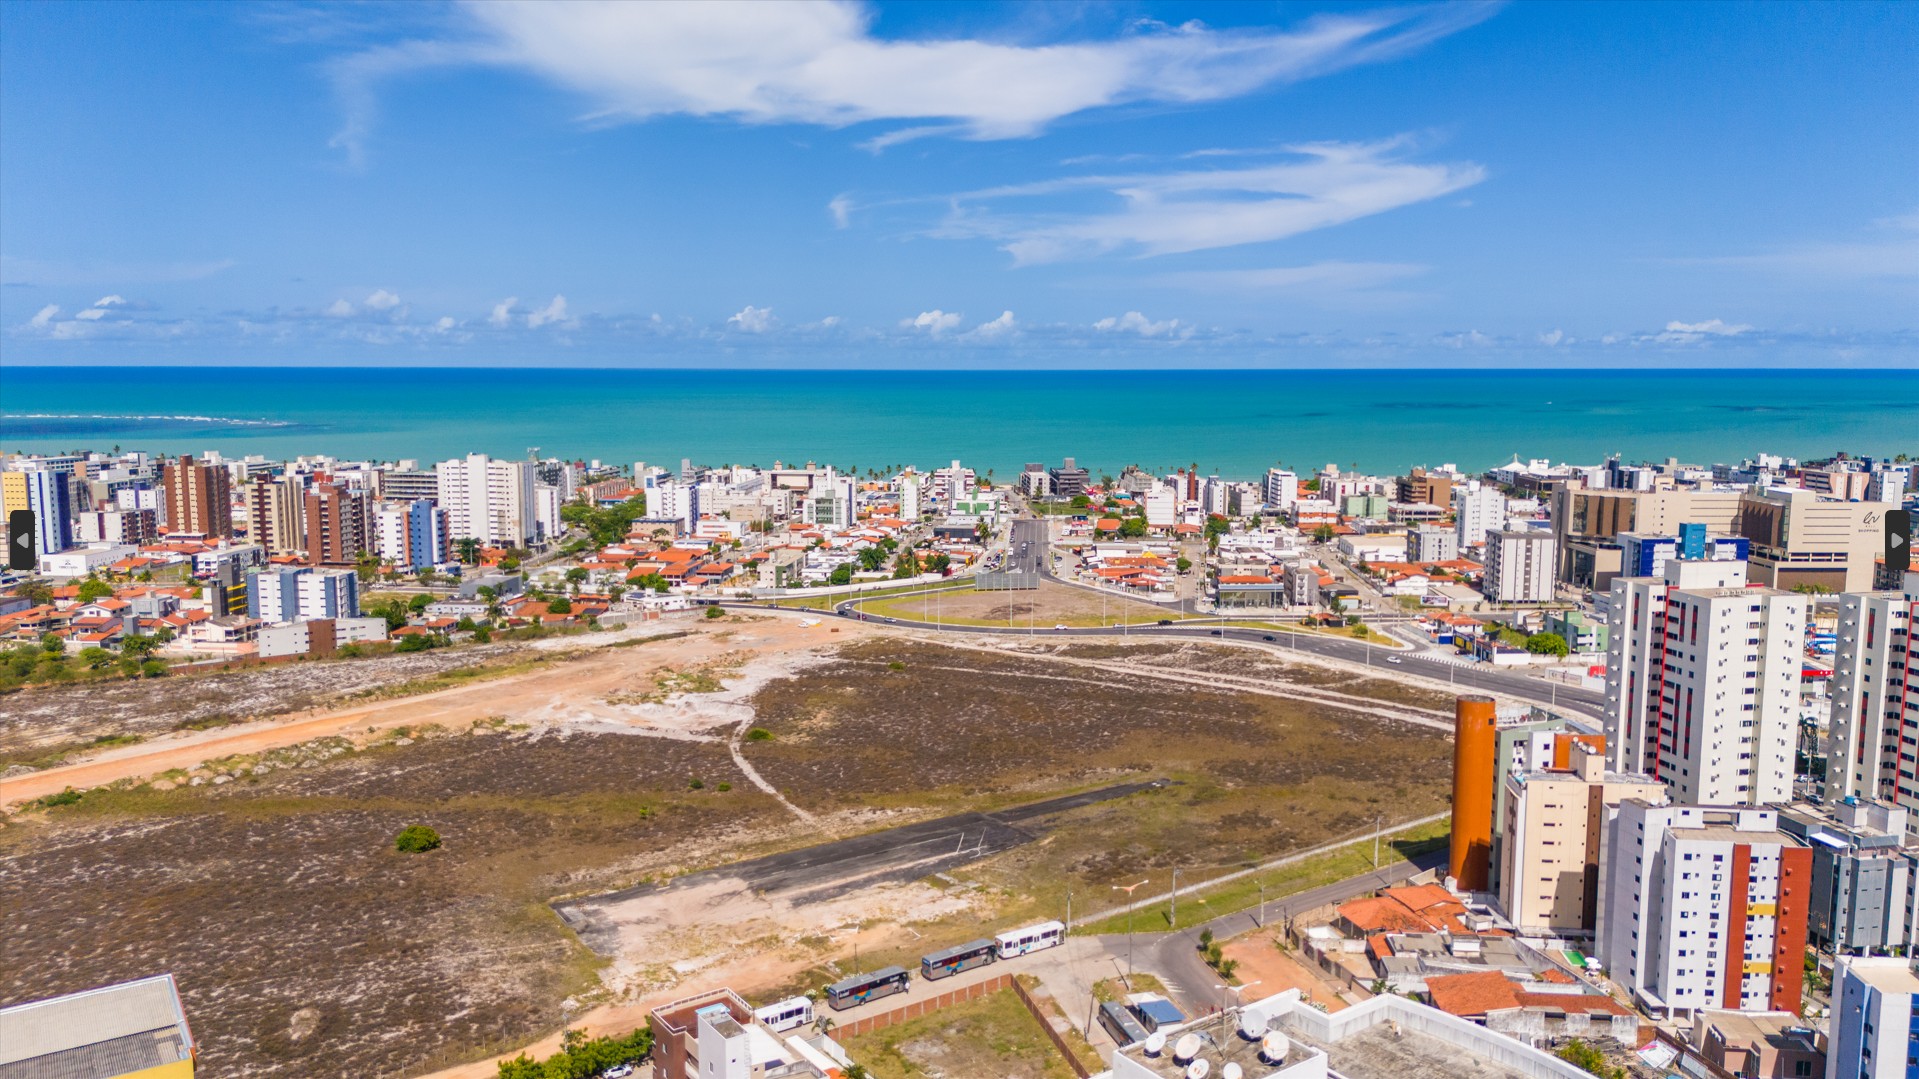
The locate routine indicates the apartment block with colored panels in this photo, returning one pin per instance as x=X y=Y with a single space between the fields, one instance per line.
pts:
x=1704 y=907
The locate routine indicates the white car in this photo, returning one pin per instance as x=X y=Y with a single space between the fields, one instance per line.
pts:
x=1059 y=625
x=618 y=1071
x=1392 y=659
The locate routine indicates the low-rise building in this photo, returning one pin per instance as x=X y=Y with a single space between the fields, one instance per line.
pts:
x=135 y=1028
x=1862 y=874
x=1757 y=1045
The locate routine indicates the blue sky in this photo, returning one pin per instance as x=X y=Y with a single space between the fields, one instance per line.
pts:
x=991 y=185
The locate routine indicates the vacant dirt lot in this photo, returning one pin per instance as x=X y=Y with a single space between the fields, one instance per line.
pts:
x=993 y=1036
x=1046 y=606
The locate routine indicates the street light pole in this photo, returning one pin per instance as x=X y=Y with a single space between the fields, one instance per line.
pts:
x=1175 y=905
x=1379 y=824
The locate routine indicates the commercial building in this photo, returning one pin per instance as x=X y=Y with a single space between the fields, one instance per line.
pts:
x=135 y=1028
x=1421 y=486
x=1875 y=707
x=1549 y=838
x=1702 y=683
x=1068 y=480
x=1587 y=523
x=298 y=594
x=1034 y=482
x=1862 y=874
x=198 y=497
x=1800 y=539
x=49 y=495
x=1477 y=509
x=338 y=523
x=276 y=514
x=1875 y=1019
x=1519 y=567
x=488 y=501
x=1754 y=1045
x=1703 y=907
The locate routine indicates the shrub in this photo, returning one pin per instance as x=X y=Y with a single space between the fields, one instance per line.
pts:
x=64 y=798
x=716 y=612
x=724 y=787
x=759 y=734
x=416 y=839
x=696 y=784
x=152 y=668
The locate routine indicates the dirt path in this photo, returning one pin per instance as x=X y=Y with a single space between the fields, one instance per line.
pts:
x=594 y=674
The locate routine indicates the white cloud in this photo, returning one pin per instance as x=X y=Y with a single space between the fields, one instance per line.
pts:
x=1002 y=326
x=1553 y=339
x=1891 y=253
x=934 y=322
x=819 y=63
x=842 y=209
x=554 y=311
x=43 y=316
x=382 y=300
x=115 y=300
x=1326 y=184
x=340 y=309
x=1134 y=322
x=446 y=323
x=92 y=313
x=503 y=311
x=1688 y=332
x=1468 y=339
x=753 y=319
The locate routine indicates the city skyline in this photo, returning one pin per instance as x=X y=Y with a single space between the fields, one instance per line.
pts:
x=1110 y=186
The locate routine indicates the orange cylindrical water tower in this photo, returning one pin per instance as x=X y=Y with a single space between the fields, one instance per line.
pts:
x=1475 y=747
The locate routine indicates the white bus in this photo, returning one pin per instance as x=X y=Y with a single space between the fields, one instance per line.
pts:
x=1030 y=939
x=787 y=1014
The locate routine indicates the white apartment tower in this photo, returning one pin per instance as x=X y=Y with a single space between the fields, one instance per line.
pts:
x=1280 y=489
x=1477 y=509
x=1703 y=907
x=487 y=500
x=1702 y=683
x=1519 y=567
x=1875 y=709
x=910 y=498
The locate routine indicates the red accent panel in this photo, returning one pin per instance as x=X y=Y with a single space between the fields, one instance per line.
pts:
x=1789 y=932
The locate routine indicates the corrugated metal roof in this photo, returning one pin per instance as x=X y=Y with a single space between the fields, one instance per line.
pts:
x=87 y=1033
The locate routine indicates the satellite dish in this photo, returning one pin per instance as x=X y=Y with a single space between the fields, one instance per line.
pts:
x=1230 y=1071
x=1155 y=1043
x=1198 y=1069
x=1251 y=1026
x=1187 y=1047
x=1274 y=1046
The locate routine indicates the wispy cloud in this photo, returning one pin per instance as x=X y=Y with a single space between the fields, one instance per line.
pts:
x=1133 y=322
x=1163 y=213
x=819 y=63
x=841 y=207
x=553 y=313
x=1888 y=251
x=503 y=311
x=1685 y=333
x=1003 y=326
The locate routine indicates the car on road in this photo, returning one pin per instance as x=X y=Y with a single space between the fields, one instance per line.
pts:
x=1219 y=633
x=618 y=1071
x=1269 y=637
x=1059 y=625
x=1392 y=659
x=1164 y=622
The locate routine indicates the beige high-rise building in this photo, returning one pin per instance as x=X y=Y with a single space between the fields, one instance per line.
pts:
x=275 y=515
x=1554 y=825
x=1800 y=538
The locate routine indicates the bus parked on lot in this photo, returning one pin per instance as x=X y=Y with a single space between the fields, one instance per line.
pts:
x=787 y=1014
x=950 y=961
x=1030 y=939
x=861 y=988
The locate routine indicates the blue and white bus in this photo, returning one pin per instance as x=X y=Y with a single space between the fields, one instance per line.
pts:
x=1030 y=939
x=950 y=961
x=861 y=988
x=787 y=1014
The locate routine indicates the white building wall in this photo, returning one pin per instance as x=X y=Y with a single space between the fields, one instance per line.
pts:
x=1478 y=509
x=1871 y=663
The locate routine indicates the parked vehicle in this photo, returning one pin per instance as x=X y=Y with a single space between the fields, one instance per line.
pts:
x=861 y=988
x=1033 y=938
x=786 y=1014
x=950 y=961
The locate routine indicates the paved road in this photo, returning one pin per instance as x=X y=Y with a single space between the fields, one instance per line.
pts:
x=1174 y=957
x=1502 y=683
x=825 y=870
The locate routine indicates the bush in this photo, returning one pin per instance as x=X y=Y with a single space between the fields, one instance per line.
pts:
x=416 y=839
x=152 y=668
x=581 y=1057
x=723 y=787
x=64 y=798
x=696 y=784
x=759 y=734
x=716 y=612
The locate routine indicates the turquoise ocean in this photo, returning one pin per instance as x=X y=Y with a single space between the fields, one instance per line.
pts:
x=1236 y=423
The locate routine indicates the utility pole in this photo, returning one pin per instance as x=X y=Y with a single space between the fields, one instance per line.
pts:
x=1379 y=824
x=1175 y=906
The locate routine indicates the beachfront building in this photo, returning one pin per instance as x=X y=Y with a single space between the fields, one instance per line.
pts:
x=488 y=501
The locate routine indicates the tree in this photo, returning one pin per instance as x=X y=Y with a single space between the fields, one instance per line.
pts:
x=419 y=603
x=94 y=588
x=416 y=839
x=841 y=575
x=938 y=563
x=907 y=564
x=654 y=581
x=468 y=549
x=1183 y=564
x=95 y=657
x=152 y=668
x=1323 y=534
x=509 y=563
x=1132 y=527
x=38 y=593
x=575 y=575
x=1547 y=644
x=1080 y=502
x=716 y=612
x=1588 y=1057
x=53 y=644
x=560 y=606
x=427 y=576
x=871 y=558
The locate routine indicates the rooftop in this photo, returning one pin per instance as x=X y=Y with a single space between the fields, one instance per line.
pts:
x=1885 y=974
x=113 y=1030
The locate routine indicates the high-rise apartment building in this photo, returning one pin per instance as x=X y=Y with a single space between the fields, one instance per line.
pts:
x=1550 y=835
x=49 y=495
x=411 y=535
x=1702 y=683
x=1519 y=567
x=1425 y=487
x=303 y=593
x=1280 y=489
x=338 y=525
x=1874 y=1028
x=1478 y=508
x=1875 y=707
x=276 y=514
x=198 y=497
x=487 y=500
x=1703 y=907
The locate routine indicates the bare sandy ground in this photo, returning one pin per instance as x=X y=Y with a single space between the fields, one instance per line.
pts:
x=563 y=691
